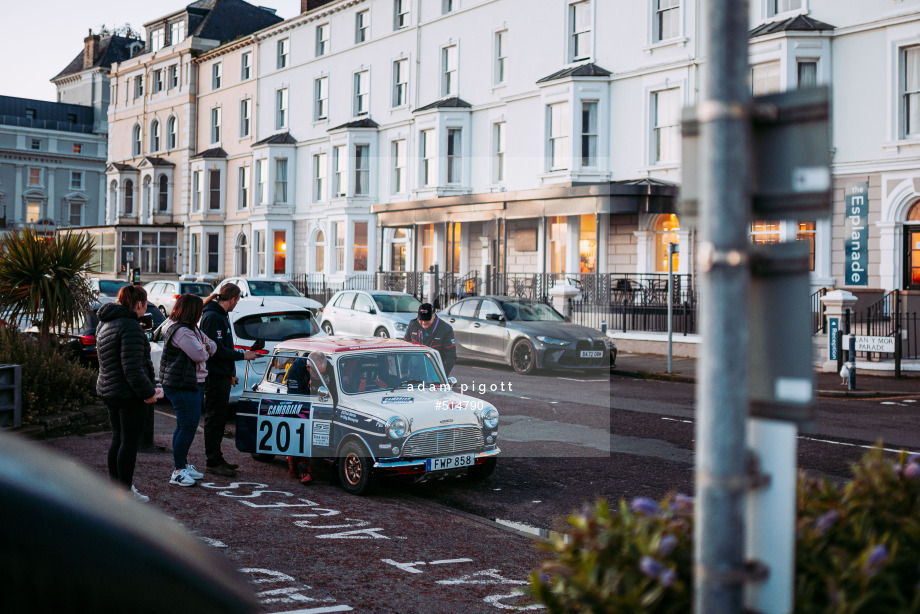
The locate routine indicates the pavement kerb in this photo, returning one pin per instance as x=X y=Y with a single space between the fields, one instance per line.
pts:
x=673 y=377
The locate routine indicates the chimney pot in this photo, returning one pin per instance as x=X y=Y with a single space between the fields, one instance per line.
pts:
x=90 y=49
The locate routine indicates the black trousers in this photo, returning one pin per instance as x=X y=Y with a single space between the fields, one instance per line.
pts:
x=216 y=410
x=127 y=417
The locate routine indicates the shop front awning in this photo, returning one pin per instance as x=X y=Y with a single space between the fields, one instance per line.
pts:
x=614 y=197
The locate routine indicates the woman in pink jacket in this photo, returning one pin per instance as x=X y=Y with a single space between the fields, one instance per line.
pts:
x=183 y=369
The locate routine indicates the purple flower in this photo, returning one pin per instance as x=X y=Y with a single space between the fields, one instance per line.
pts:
x=645 y=506
x=826 y=521
x=544 y=578
x=667 y=544
x=912 y=471
x=667 y=577
x=682 y=505
x=875 y=560
x=650 y=566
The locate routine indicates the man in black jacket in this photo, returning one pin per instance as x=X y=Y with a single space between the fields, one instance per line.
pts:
x=428 y=329
x=215 y=323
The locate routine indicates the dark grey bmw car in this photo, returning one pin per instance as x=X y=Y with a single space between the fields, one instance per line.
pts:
x=525 y=334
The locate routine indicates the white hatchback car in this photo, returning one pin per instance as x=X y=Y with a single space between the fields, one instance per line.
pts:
x=164 y=292
x=277 y=289
x=369 y=313
x=256 y=320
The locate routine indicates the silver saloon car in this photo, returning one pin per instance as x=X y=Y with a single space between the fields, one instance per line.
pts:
x=525 y=334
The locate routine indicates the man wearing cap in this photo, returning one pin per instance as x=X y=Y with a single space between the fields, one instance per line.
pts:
x=428 y=329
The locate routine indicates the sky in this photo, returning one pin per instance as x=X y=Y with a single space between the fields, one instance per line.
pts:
x=49 y=34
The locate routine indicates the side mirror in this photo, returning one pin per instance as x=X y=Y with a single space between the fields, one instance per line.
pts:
x=323 y=394
x=497 y=317
x=372 y=311
x=258 y=345
x=452 y=381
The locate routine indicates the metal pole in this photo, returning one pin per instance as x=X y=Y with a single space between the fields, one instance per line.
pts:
x=722 y=384
x=670 y=306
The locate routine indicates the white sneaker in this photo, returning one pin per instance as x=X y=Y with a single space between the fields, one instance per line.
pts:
x=180 y=477
x=139 y=496
x=193 y=472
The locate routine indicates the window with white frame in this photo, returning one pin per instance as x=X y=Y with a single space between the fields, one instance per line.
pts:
x=454 y=155
x=362 y=92
x=338 y=171
x=196 y=254
x=806 y=73
x=400 y=14
x=155 y=135
x=242 y=200
x=449 y=71
x=666 y=129
x=76 y=213
x=338 y=234
x=589 y=133
x=197 y=187
x=765 y=78
x=426 y=156
x=764 y=232
x=35 y=176
x=558 y=131
x=157 y=39
x=213 y=252
x=362 y=26
x=215 y=125
x=319 y=252
x=281 y=108
x=322 y=39
x=400 y=82
x=139 y=86
x=77 y=148
x=214 y=189
x=157 y=81
x=173 y=76
x=36 y=144
x=258 y=238
x=281 y=180
x=501 y=57
x=448 y=6
x=136 y=140
x=217 y=73
x=245 y=117
x=498 y=152
x=362 y=170
x=666 y=20
x=176 y=32
x=284 y=51
x=172 y=134
x=279 y=259
x=262 y=181
x=580 y=30
x=319 y=177
x=242 y=249
x=399 y=166
x=246 y=66
x=359 y=247
x=910 y=92
x=76 y=180
x=321 y=98
x=775 y=7
x=162 y=194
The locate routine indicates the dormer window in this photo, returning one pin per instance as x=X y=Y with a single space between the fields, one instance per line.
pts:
x=157 y=39
x=776 y=7
x=176 y=32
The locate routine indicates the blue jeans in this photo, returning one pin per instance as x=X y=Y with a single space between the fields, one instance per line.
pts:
x=187 y=405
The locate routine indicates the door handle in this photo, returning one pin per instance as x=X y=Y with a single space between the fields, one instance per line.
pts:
x=476 y=325
x=452 y=320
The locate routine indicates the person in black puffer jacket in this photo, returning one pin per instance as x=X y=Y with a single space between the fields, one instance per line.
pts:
x=126 y=378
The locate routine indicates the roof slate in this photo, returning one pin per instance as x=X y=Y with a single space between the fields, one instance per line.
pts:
x=282 y=138
x=163 y=162
x=799 y=23
x=228 y=20
x=367 y=122
x=112 y=49
x=582 y=70
x=454 y=102
x=214 y=152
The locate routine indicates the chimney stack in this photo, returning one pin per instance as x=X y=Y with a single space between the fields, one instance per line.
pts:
x=309 y=5
x=90 y=49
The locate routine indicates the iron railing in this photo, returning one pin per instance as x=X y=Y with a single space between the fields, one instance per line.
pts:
x=818 y=319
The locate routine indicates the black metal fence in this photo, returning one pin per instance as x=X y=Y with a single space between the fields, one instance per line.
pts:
x=818 y=319
x=894 y=315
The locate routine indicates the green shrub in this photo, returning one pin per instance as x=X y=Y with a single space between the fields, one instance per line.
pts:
x=857 y=550
x=52 y=382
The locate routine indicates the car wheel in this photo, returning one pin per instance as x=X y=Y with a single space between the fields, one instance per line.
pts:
x=355 y=472
x=478 y=473
x=263 y=458
x=382 y=333
x=328 y=328
x=163 y=311
x=523 y=358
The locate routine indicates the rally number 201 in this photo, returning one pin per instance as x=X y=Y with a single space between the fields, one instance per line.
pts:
x=277 y=437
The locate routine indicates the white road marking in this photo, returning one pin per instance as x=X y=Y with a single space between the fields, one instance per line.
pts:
x=357 y=534
x=410 y=567
x=528 y=398
x=213 y=542
x=852 y=445
x=910 y=400
x=486 y=576
x=272 y=576
x=677 y=420
x=448 y=561
x=572 y=379
x=496 y=601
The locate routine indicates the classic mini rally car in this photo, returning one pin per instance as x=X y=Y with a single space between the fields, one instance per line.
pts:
x=374 y=407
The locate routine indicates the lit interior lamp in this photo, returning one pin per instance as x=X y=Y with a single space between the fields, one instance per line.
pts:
x=284 y=247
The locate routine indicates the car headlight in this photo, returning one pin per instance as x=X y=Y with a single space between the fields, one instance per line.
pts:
x=400 y=327
x=396 y=428
x=552 y=340
x=490 y=418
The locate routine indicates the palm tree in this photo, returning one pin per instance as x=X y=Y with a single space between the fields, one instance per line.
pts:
x=45 y=277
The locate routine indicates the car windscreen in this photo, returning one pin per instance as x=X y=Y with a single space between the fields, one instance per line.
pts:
x=531 y=311
x=394 y=303
x=387 y=371
x=276 y=326
x=110 y=287
x=197 y=289
x=272 y=288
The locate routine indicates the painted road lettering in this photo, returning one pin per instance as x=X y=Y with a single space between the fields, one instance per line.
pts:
x=411 y=567
x=288 y=594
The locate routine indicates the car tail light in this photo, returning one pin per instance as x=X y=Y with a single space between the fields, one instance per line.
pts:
x=246 y=348
x=88 y=339
x=176 y=296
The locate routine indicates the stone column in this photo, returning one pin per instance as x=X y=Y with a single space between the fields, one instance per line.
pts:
x=836 y=304
x=561 y=293
x=889 y=246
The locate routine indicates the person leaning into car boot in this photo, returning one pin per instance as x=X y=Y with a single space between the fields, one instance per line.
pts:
x=294 y=378
x=428 y=329
x=215 y=323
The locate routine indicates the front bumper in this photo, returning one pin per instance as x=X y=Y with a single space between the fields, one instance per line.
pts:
x=565 y=358
x=419 y=463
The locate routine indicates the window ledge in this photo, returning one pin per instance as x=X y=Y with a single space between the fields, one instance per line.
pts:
x=498 y=86
x=671 y=42
x=896 y=146
x=663 y=166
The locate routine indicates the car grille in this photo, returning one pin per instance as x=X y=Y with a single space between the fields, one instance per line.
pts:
x=586 y=344
x=443 y=441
